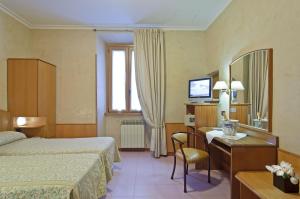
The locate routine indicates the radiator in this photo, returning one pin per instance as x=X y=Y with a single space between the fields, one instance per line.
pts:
x=132 y=134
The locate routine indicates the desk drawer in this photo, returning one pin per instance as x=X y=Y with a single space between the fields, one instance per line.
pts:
x=222 y=147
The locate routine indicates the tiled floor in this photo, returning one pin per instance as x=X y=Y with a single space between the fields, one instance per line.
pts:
x=140 y=176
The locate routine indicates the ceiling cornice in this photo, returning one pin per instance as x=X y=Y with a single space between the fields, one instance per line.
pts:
x=116 y=27
x=15 y=16
x=98 y=27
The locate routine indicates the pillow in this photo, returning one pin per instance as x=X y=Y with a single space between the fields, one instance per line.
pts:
x=7 y=137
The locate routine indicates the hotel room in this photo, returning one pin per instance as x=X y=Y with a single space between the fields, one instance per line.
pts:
x=131 y=99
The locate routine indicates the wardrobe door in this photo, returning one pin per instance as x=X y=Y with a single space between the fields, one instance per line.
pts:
x=47 y=96
x=22 y=85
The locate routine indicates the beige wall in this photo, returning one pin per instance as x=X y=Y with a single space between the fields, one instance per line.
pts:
x=249 y=25
x=185 y=59
x=74 y=54
x=243 y=26
x=15 y=40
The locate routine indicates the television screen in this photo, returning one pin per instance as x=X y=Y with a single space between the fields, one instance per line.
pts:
x=200 y=88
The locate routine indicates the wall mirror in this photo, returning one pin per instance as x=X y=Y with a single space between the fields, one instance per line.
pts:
x=251 y=88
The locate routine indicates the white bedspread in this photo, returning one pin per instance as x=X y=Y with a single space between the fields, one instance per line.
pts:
x=105 y=147
x=61 y=176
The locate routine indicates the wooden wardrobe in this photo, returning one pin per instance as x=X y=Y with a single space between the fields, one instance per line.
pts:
x=32 y=92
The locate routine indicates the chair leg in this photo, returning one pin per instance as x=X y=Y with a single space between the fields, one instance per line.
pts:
x=208 y=169
x=185 y=171
x=174 y=167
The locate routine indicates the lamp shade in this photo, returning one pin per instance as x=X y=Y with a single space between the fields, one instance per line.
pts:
x=220 y=85
x=237 y=85
x=21 y=121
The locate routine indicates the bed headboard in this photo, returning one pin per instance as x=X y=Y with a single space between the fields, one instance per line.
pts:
x=5 y=121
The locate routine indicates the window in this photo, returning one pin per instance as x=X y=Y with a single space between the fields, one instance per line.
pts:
x=122 y=89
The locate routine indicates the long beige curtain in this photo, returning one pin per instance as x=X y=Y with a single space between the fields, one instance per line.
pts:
x=150 y=78
x=258 y=83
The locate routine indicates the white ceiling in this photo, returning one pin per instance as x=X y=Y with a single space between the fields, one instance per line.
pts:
x=172 y=14
x=116 y=37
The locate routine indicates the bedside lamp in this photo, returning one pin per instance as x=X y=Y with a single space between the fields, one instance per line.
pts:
x=21 y=121
x=221 y=85
x=236 y=86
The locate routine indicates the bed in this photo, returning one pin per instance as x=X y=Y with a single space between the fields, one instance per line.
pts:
x=16 y=143
x=59 y=176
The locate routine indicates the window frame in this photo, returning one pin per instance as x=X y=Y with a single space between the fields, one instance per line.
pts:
x=128 y=48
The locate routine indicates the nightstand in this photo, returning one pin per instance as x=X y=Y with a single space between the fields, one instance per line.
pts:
x=30 y=126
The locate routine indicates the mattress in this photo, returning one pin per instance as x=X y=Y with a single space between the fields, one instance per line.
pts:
x=105 y=147
x=59 y=176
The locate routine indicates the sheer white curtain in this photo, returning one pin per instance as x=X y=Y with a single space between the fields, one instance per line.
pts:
x=150 y=78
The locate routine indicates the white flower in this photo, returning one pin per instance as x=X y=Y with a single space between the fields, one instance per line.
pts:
x=284 y=164
x=276 y=167
x=291 y=172
x=279 y=173
x=270 y=168
x=284 y=169
x=294 y=180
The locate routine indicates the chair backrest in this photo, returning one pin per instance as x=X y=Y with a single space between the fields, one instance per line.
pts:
x=184 y=137
x=179 y=136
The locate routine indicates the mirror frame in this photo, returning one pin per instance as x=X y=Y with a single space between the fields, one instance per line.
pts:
x=270 y=89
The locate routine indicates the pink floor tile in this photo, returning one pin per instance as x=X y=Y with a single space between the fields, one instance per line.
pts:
x=140 y=176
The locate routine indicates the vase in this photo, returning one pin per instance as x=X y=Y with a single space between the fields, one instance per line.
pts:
x=285 y=185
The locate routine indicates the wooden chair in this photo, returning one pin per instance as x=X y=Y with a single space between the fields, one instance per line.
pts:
x=188 y=154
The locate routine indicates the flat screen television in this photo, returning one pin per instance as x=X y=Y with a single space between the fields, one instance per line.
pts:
x=200 y=90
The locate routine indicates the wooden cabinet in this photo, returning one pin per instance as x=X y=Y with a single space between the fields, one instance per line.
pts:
x=205 y=114
x=32 y=92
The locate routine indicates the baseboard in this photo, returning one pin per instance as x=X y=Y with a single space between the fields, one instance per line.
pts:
x=134 y=149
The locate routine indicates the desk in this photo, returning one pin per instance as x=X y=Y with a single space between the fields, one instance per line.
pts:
x=247 y=154
x=257 y=184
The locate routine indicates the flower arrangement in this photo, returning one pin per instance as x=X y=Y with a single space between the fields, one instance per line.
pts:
x=284 y=177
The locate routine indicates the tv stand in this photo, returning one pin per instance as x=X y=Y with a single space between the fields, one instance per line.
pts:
x=205 y=113
x=196 y=103
x=205 y=116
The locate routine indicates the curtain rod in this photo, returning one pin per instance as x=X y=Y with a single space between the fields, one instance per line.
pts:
x=112 y=30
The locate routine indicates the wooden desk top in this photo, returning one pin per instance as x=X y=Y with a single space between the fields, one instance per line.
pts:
x=248 y=141
x=261 y=183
